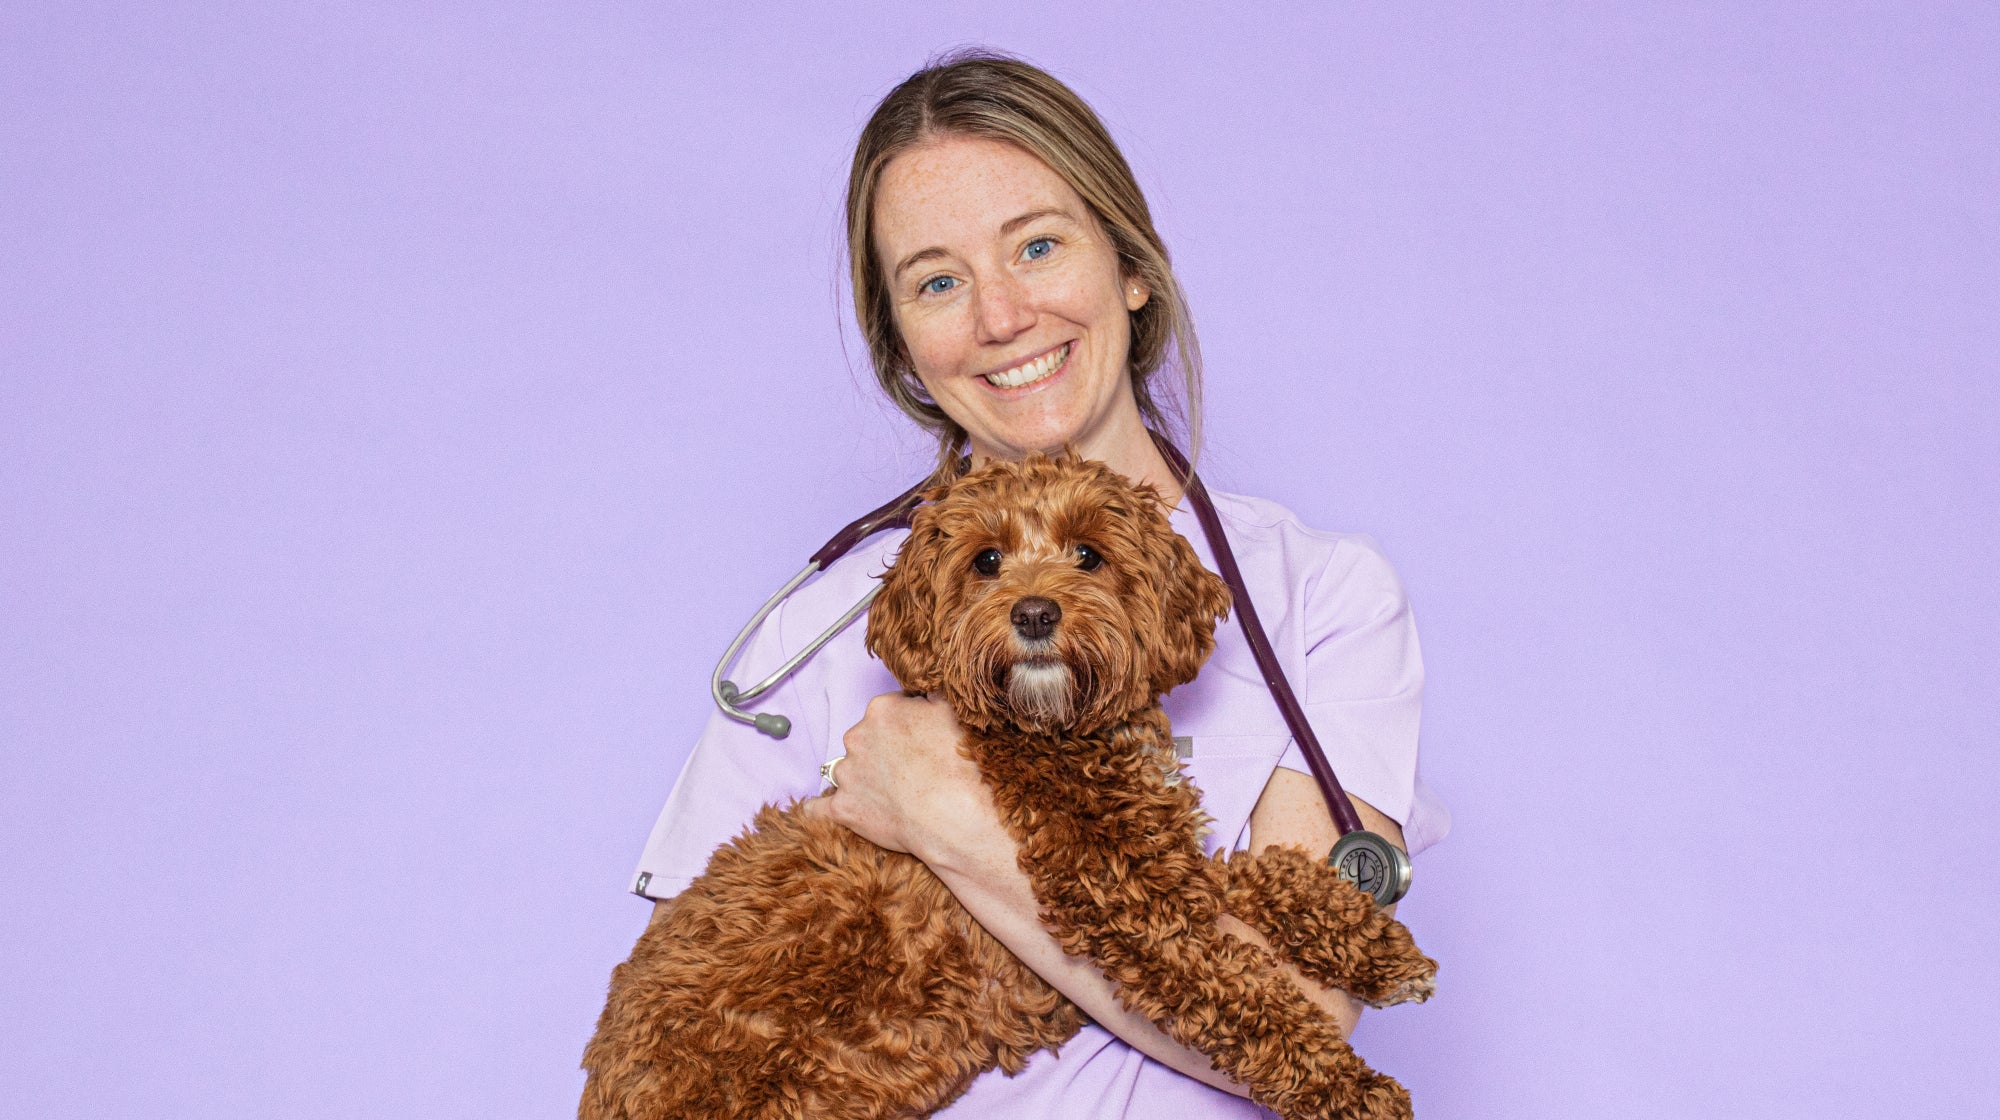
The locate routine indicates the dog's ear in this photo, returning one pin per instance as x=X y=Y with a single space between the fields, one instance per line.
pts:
x=903 y=622
x=1192 y=600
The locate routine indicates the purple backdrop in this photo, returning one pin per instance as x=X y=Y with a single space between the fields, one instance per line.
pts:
x=399 y=411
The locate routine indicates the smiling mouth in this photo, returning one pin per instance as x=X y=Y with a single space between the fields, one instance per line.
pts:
x=1027 y=373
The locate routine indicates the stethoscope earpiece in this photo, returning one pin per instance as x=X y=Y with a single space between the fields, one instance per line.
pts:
x=1372 y=864
x=731 y=697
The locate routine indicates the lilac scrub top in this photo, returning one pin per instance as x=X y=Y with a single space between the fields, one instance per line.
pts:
x=1343 y=631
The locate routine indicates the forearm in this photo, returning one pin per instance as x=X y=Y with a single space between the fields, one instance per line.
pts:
x=978 y=863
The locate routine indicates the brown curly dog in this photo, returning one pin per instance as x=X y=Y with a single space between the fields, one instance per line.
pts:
x=808 y=973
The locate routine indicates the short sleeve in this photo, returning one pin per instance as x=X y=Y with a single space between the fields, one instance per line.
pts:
x=734 y=770
x=1363 y=688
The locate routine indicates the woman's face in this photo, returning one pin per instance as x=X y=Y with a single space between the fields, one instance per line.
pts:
x=1008 y=296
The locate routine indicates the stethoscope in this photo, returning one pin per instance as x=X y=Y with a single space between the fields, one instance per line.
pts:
x=1366 y=858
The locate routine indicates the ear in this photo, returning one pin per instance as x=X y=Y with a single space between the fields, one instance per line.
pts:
x=1192 y=600
x=902 y=622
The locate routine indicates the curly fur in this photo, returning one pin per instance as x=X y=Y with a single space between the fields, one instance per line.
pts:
x=808 y=973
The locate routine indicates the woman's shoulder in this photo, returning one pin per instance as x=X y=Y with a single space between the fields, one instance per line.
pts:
x=1266 y=535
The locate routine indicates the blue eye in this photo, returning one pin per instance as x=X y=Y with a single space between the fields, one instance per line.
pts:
x=1038 y=248
x=938 y=284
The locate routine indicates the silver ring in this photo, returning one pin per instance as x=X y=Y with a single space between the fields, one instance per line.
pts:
x=826 y=770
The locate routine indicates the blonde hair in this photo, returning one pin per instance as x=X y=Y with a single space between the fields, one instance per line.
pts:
x=991 y=95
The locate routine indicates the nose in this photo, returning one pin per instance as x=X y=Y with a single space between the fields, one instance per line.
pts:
x=1003 y=309
x=1035 y=617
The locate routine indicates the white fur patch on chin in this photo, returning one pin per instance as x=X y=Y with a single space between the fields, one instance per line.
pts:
x=1041 y=692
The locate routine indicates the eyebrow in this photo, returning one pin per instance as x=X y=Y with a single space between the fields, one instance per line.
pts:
x=1012 y=224
x=913 y=258
x=1006 y=227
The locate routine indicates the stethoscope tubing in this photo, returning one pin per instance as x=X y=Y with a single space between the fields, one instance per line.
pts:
x=731 y=699
x=892 y=514
x=1260 y=643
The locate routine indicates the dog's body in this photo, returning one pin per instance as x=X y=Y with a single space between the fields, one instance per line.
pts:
x=809 y=973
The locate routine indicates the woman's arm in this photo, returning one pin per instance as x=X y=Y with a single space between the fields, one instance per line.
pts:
x=904 y=785
x=1291 y=813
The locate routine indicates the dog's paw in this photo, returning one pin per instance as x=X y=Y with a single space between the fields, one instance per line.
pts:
x=1384 y=1099
x=1415 y=990
x=1403 y=977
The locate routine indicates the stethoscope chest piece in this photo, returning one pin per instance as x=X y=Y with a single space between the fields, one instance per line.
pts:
x=1372 y=864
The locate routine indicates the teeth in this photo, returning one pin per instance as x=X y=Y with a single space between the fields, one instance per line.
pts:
x=1030 y=372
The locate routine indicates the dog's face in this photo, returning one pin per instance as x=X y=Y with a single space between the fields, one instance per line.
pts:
x=1048 y=594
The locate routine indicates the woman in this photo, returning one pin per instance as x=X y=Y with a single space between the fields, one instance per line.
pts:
x=1015 y=298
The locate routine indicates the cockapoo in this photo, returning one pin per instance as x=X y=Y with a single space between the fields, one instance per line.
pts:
x=810 y=974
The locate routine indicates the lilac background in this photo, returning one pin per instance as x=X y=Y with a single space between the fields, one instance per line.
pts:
x=399 y=410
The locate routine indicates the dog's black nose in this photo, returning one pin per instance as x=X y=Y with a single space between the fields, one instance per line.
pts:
x=1035 y=617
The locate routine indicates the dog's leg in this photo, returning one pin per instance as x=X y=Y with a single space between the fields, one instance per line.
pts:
x=1113 y=857
x=1230 y=999
x=1293 y=1056
x=1328 y=928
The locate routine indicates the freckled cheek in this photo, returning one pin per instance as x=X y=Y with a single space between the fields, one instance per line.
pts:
x=939 y=344
x=1074 y=297
x=1088 y=303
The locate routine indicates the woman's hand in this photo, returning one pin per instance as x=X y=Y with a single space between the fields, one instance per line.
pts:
x=904 y=785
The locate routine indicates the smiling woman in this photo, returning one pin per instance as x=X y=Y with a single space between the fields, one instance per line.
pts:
x=1011 y=303
x=1016 y=298
x=995 y=233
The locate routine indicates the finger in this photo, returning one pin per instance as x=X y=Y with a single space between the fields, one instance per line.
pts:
x=817 y=806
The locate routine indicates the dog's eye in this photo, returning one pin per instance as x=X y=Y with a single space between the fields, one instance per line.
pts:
x=987 y=563
x=1087 y=558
